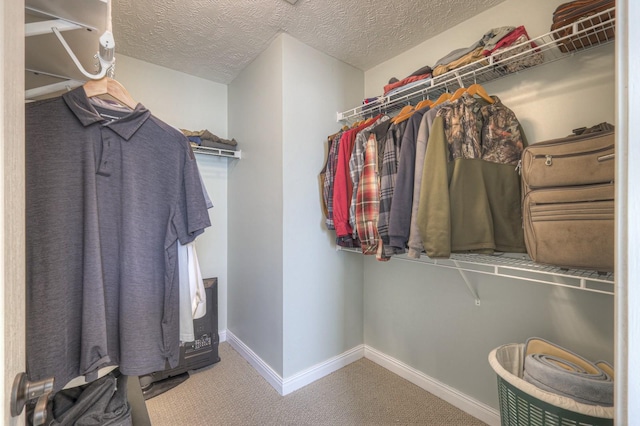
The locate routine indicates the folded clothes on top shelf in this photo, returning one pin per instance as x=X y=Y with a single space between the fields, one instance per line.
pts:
x=207 y=139
x=503 y=50
x=488 y=40
x=397 y=84
x=497 y=42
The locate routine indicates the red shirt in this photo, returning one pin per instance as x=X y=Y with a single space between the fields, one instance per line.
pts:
x=342 y=184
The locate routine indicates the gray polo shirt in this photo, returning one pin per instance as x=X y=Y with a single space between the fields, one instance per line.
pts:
x=110 y=192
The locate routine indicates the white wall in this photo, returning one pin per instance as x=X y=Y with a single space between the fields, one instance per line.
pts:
x=192 y=103
x=294 y=301
x=423 y=315
x=255 y=208
x=322 y=289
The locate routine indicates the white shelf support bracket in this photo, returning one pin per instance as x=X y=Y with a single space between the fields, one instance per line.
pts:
x=105 y=54
x=472 y=290
x=460 y=82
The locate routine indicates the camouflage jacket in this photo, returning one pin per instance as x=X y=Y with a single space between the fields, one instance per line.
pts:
x=474 y=129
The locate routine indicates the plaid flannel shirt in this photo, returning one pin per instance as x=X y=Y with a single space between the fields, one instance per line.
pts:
x=388 y=172
x=329 y=174
x=368 y=199
x=356 y=164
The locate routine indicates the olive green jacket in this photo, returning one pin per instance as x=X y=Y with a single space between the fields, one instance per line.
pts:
x=469 y=204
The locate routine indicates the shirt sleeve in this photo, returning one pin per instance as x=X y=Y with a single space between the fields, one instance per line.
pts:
x=434 y=217
x=191 y=215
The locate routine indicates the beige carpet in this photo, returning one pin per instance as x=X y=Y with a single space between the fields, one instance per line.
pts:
x=231 y=392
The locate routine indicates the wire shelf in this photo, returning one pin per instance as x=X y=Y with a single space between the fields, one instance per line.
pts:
x=218 y=152
x=595 y=30
x=518 y=266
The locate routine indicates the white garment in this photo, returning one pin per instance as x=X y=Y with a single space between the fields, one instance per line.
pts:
x=196 y=284
x=193 y=299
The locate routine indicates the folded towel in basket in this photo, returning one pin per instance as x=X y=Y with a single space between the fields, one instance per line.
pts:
x=557 y=370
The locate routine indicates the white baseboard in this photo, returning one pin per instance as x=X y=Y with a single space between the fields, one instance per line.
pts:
x=283 y=387
x=252 y=358
x=325 y=368
x=452 y=396
x=222 y=335
x=299 y=380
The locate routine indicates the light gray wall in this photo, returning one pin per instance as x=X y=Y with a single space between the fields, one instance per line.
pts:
x=255 y=208
x=322 y=290
x=292 y=299
x=424 y=315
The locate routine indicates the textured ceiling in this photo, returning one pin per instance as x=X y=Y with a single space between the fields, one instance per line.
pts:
x=216 y=39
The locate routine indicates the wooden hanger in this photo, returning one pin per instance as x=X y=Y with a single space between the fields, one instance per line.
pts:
x=424 y=103
x=404 y=114
x=458 y=93
x=444 y=97
x=477 y=89
x=111 y=87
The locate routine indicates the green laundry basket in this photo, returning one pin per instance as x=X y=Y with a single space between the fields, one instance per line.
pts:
x=523 y=404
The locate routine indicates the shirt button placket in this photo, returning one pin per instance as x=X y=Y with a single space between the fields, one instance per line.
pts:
x=105 y=165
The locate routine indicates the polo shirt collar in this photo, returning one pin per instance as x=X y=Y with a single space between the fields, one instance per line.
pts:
x=83 y=109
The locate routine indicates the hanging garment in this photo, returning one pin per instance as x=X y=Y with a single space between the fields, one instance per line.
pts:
x=110 y=192
x=368 y=199
x=193 y=299
x=388 y=163
x=342 y=184
x=400 y=213
x=328 y=180
x=356 y=163
x=323 y=176
x=415 y=240
x=469 y=203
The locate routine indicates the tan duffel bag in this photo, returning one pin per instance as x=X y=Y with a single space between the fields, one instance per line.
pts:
x=568 y=201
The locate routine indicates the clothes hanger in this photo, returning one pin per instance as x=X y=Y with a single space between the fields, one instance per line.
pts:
x=477 y=89
x=424 y=103
x=444 y=97
x=111 y=87
x=404 y=114
x=458 y=93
